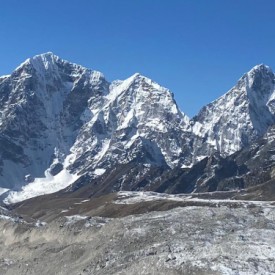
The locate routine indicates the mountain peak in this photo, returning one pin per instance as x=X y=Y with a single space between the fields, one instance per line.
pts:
x=49 y=56
x=136 y=75
x=138 y=78
x=260 y=79
x=260 y=69
x=47 y=61
x=40 y=60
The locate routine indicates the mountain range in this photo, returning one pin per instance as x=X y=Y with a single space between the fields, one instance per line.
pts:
x=65 y=127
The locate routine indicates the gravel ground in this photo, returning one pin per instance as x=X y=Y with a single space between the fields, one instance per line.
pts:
x=221 y=239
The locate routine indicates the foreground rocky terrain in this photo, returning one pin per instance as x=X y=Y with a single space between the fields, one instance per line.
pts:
x=122 y=234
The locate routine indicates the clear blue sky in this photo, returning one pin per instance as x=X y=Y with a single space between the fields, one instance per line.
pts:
x=196 y=48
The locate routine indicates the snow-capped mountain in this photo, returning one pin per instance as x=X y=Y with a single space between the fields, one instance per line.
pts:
x=60 y=121
x=136 y=116
x=65 y=126
x=41 y=105
x=240 y=116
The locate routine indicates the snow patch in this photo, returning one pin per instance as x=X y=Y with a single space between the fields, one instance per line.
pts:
x=99 y=171
x=40 y=224
x=73 y=219
x=132 y=197
x=47 y=185
x=3 y=190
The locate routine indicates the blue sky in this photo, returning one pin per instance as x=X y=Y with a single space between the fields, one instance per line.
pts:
x=196 y=48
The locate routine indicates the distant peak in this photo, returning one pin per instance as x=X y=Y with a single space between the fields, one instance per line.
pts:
x=261 y=68
x=45 y=57
x=138 y=76
x=47 y=54
x=260 y=71
x=135 y=76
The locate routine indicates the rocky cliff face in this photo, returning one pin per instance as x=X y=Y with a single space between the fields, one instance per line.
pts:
x=250 y=167
x=64 y=126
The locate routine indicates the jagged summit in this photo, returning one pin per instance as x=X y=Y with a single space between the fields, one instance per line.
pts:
x=261 y=67
x=48 y=56
x=258 y=76
x=44 y=58
x=139 y=79
x=49 y=63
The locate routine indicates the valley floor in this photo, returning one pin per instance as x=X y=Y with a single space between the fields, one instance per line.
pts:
x=201 y=237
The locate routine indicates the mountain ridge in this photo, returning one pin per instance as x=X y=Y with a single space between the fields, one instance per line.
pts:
x=62 y=123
